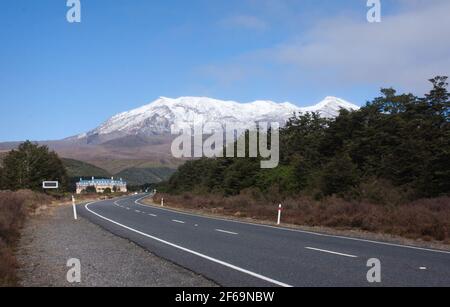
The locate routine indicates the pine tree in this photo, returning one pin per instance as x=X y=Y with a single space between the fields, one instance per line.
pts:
x=339 y=175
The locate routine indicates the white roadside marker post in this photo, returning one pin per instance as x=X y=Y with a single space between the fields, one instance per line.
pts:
x=162 y=202
x=74 y=208
x=279 y=215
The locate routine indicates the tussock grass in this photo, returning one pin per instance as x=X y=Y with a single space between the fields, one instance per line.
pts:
x=14 y=208
x=425 y=219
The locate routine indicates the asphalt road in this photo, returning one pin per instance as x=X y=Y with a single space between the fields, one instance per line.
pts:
x=241 y=254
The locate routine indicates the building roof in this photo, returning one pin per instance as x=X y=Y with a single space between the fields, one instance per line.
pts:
x=94 y=182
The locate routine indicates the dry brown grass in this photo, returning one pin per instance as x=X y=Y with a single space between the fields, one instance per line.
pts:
x=427 y=219
x=14 y=207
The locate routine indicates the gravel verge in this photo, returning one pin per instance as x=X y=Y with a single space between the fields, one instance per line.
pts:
x=48 y=241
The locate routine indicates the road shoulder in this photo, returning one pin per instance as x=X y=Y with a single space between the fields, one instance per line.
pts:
x=51 y=239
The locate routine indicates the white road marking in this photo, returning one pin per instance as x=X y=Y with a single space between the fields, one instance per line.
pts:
x=128 y=208
x=137 y=211
x=177 y=221
x=152 y=214
x=229 y=265
x=225 y=231
x=331 y=252
x=423 y=268
x=293 y=230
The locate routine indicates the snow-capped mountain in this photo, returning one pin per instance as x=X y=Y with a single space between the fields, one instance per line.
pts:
x=157 y=117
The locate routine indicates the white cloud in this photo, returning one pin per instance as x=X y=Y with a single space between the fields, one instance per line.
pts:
x=405 y=49
x=402 y=51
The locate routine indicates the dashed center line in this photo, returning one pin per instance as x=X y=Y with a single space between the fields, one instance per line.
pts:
x=177 y=221
x=331 y=252
x=152 y=214
x=225 y=231
x=209 y=258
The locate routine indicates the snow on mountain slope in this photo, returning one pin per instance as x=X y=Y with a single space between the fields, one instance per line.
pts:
x=157 y=117
x=330 y=107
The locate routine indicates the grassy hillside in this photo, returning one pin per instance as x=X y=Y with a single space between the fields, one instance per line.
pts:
x=114 y=166
x=133 y=175
x=139 y=176
x=137 y=172
x=77 y=169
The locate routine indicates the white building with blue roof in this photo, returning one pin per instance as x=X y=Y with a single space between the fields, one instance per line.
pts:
x=101 y=185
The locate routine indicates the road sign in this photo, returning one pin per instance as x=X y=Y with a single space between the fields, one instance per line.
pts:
x=50 y=185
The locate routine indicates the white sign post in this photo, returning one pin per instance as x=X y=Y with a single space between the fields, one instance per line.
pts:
x=162 y=202
x=74 y=208
x=279 y=215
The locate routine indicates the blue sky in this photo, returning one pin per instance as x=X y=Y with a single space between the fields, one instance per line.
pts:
x=59 y=79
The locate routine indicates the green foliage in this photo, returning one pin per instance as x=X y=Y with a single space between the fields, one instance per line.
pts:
x=397 y=142
x=30 y=165
x=78 y=169
x=338 y=176
x=90 y=189
x=2 y=181
x=107 y=191
x=140 y=176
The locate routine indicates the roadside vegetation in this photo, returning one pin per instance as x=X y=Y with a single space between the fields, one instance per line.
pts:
x=21 y=194
x=21 y=176
x=14 y=208
x=424 y=219
x=384 y=168
x=29 y=165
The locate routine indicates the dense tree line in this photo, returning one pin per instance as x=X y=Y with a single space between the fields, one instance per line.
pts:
x=396 y=142
x=30 y=165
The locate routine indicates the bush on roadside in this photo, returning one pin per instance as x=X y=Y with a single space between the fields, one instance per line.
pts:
x=14 y=207
x=90 y=190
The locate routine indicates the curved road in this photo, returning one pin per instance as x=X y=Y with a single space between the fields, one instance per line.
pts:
x=235 y=253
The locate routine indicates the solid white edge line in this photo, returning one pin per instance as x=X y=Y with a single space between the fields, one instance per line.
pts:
x=331 y=252
x=231 y=266
x=296 y=230
x=226 y=231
